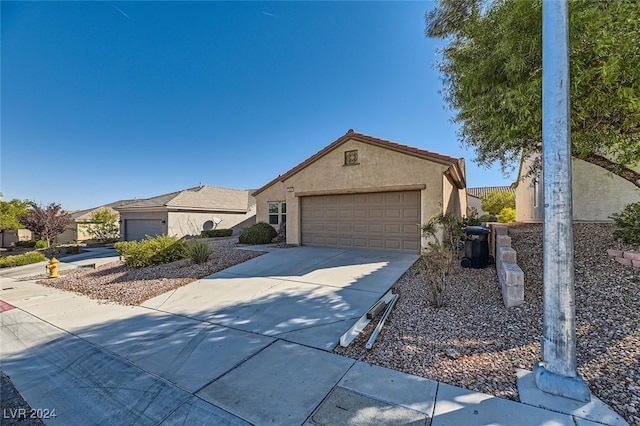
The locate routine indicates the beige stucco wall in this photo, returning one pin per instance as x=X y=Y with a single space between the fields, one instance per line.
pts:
x=597 y=194
x=190 y=223
x=378 y=168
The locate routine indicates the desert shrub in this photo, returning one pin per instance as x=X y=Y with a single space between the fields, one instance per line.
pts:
x=21 y=259
x=40 y=244
x=123 y=247
x=507 y=215
x=444 y=232
x=198 y=251
x=152 y=251
x=213 y=233
x=72 y=249
x=628 y=224
x=487 y=218
x=27 y=244
x=259 y=233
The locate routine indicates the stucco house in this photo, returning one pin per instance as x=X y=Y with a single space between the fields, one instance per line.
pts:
x=78 y=229
x=474 y=203
x=597 y=194
x=187 y=212
x=363 y=192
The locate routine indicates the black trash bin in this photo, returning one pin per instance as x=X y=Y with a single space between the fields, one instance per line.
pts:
x=476 y=247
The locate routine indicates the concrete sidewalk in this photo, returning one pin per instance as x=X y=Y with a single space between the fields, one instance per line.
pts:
x=250 y=345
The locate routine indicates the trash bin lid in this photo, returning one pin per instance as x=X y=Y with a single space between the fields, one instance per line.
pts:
x=476 y=230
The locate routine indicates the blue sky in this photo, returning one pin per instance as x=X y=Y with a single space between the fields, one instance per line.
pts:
x=102 y=101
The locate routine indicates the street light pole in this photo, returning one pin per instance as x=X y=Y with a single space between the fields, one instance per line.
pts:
x=556 y=373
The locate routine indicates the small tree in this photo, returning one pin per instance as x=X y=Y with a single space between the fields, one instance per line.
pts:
x=10 y=211
x=48 y=222
x=494 y=201
x=103 y=225
x=444 y=232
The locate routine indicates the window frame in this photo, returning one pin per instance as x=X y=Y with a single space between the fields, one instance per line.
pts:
x=278 y=216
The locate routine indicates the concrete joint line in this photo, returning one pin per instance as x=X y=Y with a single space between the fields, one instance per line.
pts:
x=238 y=364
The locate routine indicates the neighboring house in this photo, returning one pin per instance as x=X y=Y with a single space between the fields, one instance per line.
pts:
x=597 y=194
x=361 y=191
x=474 y=194
x=78 y=229
x=187 y=212
x=12 y=236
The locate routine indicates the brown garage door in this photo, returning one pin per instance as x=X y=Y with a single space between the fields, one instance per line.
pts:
x=380 y=220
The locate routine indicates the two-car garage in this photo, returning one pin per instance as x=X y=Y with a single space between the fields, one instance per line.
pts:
x=381 y=220
x=363 y=192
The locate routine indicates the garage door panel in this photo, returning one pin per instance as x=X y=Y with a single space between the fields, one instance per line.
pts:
x=411 y=214
x=376 y=213
x=139 y=229
x=393 y=228
x=393 y=244
x=360 y=228
x=393 y=213
x=410 y=246
x=386 y=221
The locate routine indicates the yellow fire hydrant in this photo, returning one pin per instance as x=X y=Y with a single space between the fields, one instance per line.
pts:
x=53 y=267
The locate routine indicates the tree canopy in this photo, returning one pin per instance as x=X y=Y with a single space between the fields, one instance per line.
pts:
x=491 y=68
x=494 y=201
x=46 y=221
x=10 y=211
x=103 y=225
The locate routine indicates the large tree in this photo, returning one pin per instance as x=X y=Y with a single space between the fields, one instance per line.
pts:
x=10 y=211
x=46 y=221
x=491 y=68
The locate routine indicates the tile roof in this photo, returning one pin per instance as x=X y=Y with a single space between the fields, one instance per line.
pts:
x=80 y=215
x=205 y=197
x=480 y=191
x=351 y=134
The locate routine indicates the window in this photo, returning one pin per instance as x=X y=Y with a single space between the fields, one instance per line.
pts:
x=277 y=213
x=351 y=158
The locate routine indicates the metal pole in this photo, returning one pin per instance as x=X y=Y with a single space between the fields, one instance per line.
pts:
x=556 y=373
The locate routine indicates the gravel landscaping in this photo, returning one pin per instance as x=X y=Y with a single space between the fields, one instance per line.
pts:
x=477 y=343
x=473 y=341
x=116 y=282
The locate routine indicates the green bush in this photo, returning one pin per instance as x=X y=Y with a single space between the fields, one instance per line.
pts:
x=152 y=251
x=123 y=247
x=487 y=218
x=213 y=233
x=27 y=244
x=628 y=224
x=21 y=259
x=198 y=251
x=40 y=244
x=507 y=215
x=72 y=249
x=259 y=233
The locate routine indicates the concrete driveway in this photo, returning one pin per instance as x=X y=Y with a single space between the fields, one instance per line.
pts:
x=306 y=295
x=248 y=344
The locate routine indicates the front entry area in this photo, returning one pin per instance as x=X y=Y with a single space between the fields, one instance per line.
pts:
x=380 y=220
